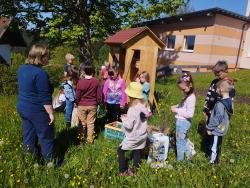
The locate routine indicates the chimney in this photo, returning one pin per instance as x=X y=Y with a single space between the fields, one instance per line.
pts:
x=248 y=9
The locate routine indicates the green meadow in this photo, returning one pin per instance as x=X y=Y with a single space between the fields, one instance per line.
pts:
x=96 y=165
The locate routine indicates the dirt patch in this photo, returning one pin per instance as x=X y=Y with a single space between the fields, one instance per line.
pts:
x=239 y=99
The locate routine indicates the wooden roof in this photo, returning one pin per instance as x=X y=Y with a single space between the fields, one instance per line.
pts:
x=124 y=36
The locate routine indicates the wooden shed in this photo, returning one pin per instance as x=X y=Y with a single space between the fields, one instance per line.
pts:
x=135 y=50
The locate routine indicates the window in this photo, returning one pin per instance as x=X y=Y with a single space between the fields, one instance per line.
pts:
x=171 y=41
x=189 y=43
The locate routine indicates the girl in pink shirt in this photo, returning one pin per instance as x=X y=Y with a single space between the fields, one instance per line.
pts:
x=184 y=113
x=114 y=94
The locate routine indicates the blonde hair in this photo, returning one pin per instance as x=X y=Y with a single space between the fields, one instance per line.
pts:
x=36 y=55
x=69 y=56
x=225 y=85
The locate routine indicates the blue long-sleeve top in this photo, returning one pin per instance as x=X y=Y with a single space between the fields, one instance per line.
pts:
x=34 y=89
x=220 y=117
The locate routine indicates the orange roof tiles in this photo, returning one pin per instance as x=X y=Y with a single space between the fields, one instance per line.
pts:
x=124 y=35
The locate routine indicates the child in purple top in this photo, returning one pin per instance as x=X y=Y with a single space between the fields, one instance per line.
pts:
x=114 y=94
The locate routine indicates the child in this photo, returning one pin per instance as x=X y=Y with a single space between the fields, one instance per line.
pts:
x=135 y=129
x=221 y=72
x=70 y=98
x=219 y=119
x=88 y=95
x=184 y=113
x=144 y=80
x=70 y=61
x=104 y=71
x=114 y=94
x=60 y=102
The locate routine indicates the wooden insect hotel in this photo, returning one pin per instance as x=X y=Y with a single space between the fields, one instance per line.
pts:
x=135 y=50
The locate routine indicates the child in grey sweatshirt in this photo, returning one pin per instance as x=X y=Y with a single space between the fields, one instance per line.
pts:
x=219 y=120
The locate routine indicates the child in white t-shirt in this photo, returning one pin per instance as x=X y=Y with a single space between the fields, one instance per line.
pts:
x=60 y=101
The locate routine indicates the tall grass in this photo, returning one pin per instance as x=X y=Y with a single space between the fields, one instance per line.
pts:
x=96 y=165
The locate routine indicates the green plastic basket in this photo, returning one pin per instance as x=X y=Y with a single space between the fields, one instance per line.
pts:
x=113 y=131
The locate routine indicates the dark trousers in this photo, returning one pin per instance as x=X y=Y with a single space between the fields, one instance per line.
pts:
x=61 y=108
x=113 y=112
x=122 y=160
x=214 y=148
x=36 y=129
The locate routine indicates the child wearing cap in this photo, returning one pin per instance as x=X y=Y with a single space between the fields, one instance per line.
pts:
x=134 y=127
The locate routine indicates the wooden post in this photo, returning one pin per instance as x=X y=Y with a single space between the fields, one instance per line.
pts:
x=110 y=60
x=128 y=60
x=156 y=104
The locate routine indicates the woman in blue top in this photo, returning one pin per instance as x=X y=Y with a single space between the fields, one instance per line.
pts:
x=35 y=103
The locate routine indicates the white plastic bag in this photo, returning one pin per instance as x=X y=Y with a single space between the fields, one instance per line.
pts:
x=74 y=118
x=158 y=150
x=190 y=146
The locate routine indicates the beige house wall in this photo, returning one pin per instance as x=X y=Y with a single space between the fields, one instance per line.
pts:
x=218 y=40
x=245 y=60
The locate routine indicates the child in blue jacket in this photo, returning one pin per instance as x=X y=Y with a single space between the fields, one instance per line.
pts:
x=219 y=120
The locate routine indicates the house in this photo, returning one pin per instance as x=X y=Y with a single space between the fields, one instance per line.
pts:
x=10 y=41
x=197 y=40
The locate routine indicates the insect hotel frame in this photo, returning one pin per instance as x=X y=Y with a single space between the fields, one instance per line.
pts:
x=135 y=50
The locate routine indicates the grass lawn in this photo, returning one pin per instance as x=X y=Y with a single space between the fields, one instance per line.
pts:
x=96 y=165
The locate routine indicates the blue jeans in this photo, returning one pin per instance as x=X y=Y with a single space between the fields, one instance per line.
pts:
x=36 y=129
x=182 y=127
x=69 y=109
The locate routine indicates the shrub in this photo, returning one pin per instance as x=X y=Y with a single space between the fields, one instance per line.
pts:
x=55 y=74
x=8 y=74
x=58 y=54
x=8 y=80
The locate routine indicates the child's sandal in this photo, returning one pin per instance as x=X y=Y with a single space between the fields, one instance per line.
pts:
x=123 y=174
x=130 y=172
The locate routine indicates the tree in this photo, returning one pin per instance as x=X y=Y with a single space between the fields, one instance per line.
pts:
x=83 y=21
x=185 y=8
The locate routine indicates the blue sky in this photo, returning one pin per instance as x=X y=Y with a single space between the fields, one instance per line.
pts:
x=238 y=6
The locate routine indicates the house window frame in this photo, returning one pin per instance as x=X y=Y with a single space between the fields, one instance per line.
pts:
x=167 y=40
x=184 y=44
